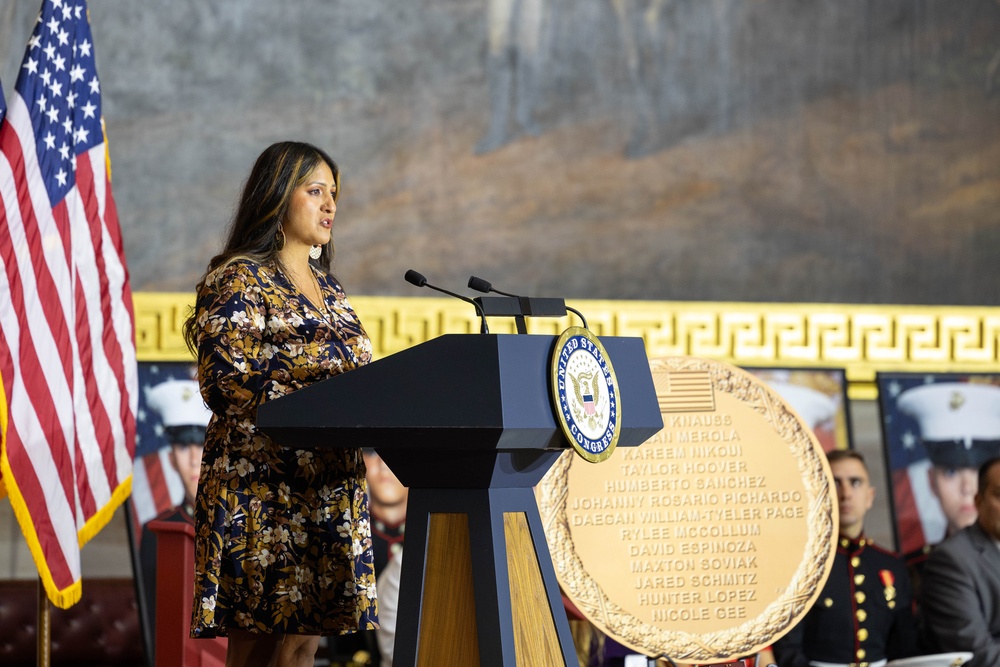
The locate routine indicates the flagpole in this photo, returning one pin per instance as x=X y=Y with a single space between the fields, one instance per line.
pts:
x=44 y=626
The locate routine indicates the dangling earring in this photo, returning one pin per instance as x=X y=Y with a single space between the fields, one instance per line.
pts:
x=315 y=251
x=280 y=242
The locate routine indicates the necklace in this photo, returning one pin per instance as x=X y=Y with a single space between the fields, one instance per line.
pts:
x=324 y=310
x=315 y=298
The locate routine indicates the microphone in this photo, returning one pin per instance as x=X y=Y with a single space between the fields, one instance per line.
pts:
x=418 y=279
x=486 y=287
x=529 y=306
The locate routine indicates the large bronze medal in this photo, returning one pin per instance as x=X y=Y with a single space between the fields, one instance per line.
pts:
x=711 y=539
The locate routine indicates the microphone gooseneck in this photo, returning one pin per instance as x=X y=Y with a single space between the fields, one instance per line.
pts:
x=580 y=315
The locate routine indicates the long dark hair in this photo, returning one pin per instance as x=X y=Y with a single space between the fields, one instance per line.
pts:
x=254 y=232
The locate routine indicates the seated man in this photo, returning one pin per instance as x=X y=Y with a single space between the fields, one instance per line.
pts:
x=864 y=613
x=961 y=587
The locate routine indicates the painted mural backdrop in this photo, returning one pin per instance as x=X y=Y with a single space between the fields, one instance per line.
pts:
x=758 y=150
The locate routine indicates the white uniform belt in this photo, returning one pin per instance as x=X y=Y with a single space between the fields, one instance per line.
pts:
x=877 y=663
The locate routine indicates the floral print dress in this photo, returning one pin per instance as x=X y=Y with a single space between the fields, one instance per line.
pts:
x=283 y=540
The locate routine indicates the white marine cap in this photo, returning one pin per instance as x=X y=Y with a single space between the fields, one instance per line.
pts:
x=179 y=404
x=814 y=407
x=954 y=410
x=959 y=421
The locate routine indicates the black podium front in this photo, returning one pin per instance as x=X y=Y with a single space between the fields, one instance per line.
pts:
x=467 y=423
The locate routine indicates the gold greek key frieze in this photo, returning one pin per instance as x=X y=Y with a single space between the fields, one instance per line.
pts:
x=159 y=317
x=863 y=339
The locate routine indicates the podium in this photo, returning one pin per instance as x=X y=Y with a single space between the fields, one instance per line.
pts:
x=467 y=422
x=175 y=598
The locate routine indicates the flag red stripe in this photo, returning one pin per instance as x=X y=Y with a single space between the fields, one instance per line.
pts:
x=98 y=410
x=157 y=483
x=33 y=377
x=63 y=226
x=127 y=410
x=909 y=528
x=101 y=429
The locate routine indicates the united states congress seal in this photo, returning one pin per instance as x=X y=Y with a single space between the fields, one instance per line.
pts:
x=585 y=393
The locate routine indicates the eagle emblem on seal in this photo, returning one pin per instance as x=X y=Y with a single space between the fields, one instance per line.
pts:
x=587 y=388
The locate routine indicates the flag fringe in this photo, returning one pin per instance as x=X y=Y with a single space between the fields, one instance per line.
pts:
x=103 y=516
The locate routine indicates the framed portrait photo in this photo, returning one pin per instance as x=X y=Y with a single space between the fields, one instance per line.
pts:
x=156 y=484
x=819 y=396
x=937 y=430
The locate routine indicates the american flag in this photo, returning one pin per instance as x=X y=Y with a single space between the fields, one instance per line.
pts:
x=685 y=391
x=67 y=346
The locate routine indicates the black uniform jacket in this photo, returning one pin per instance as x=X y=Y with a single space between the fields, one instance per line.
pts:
x=863 y=614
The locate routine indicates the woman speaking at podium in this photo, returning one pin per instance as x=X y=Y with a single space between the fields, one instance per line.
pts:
x=283 y=551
